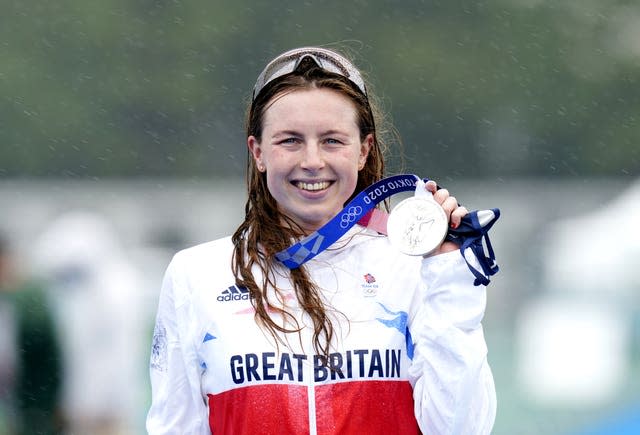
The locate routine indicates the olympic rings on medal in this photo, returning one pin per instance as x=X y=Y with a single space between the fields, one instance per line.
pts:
x=350 y=215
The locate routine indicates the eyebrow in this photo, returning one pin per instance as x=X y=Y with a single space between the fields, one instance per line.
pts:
x=331 y=132
x=297 y=133
x=286 y=133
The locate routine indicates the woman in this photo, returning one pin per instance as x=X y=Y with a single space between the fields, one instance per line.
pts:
x=360 y=338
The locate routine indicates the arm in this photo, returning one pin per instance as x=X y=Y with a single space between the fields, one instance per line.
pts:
x=453 y=386
x=177 y=406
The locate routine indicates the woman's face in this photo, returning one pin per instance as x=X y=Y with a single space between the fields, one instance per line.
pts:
x=311 y=153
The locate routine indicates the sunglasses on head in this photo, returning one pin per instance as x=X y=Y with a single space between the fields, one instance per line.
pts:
x=289 y=61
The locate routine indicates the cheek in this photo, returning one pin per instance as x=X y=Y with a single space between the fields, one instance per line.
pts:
x=350 y=170
x=277 y=170
x=276 y=162
x=357 y=161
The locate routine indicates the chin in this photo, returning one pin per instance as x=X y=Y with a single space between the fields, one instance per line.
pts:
x=314 y=221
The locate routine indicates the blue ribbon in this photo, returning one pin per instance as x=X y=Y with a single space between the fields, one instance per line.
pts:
x=316 y=242
x=470 y=233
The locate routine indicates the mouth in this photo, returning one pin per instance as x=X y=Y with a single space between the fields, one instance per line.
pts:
x=314 y=186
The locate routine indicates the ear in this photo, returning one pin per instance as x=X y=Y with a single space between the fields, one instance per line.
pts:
x=365 y=147
x=256 y=152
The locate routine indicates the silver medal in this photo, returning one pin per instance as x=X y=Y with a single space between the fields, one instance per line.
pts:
x=417 y=225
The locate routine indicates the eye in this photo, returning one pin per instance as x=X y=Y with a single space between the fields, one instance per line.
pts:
x=333 y=141
x=288 y=141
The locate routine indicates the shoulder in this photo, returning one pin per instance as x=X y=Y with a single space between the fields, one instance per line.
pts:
x=204 y=252
x=194 y=272
x=206 y=259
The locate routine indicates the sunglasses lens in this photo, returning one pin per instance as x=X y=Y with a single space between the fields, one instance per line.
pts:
x=327 y=60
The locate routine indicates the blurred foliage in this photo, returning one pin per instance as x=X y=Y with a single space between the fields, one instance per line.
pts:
x=496 y=88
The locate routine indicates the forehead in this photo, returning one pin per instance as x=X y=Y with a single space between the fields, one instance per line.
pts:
x=311 y=107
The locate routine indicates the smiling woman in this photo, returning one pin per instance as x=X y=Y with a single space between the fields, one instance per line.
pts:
x=360 y=338
x=311 y=152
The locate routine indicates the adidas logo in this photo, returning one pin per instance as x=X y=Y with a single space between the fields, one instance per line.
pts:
x=234 y=293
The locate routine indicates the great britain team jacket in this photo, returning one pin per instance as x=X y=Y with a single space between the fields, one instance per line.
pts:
x=410 y=356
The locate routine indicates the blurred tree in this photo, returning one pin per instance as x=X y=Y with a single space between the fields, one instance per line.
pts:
x=491 y=88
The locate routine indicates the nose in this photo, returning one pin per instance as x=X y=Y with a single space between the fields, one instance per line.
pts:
x=313 y=158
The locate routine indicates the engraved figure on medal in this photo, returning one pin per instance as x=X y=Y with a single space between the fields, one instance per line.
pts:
x=417 y=225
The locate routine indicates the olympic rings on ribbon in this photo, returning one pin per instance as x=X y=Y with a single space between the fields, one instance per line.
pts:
x=350 y=215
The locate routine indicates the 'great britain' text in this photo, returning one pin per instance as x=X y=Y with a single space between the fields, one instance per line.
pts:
x=352 y=364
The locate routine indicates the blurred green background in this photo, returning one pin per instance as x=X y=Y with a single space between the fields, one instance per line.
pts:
x=518 y=102
x=476 y=88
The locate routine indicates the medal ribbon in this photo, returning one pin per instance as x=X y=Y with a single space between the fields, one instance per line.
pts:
x=473 y=230
x=470 y=234
x=357 y=209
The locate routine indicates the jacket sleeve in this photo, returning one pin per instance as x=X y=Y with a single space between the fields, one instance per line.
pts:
x=177 y=405
x=453 y=387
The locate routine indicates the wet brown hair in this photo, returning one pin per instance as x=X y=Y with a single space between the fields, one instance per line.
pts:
x=265 y=231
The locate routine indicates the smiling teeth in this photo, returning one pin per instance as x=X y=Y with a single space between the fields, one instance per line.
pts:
x=313 y=186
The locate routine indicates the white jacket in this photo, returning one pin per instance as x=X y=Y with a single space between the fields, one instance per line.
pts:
x=411 y=357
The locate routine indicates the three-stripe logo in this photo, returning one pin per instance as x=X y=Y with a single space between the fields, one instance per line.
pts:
x=234 y=293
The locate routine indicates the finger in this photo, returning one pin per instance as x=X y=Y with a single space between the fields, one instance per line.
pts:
x=431 y=186
x=457 y=215
x=441 y=196
x=449 y=205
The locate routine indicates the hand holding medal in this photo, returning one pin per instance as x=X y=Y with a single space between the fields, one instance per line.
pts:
x=418 y=225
